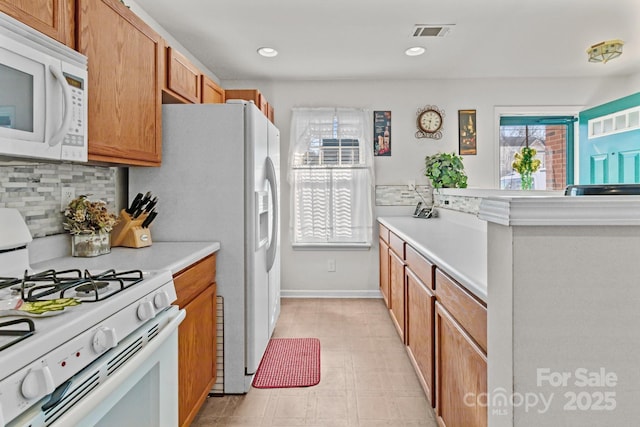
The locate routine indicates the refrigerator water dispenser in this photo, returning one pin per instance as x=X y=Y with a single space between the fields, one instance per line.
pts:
x=262 y=218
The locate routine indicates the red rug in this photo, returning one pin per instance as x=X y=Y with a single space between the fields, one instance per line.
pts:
x=289 y=362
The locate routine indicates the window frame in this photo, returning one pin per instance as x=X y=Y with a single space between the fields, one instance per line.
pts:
x=528 y=112
x=365 y=162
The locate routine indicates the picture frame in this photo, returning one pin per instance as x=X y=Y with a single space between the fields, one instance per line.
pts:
x=382 y=133
x=467 y=135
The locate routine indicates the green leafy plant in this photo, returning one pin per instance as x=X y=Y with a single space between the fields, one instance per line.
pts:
x=445 y=170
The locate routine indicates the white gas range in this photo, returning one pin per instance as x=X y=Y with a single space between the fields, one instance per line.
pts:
x=75 y=365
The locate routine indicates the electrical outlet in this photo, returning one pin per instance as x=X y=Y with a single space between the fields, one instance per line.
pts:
x=331 y=264
x=412 y=185
x=67 y=194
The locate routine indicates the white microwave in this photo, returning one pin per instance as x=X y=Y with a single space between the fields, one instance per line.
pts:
x=43 y=96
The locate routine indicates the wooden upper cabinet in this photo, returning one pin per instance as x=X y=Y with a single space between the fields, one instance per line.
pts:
x=251 y=95
x=55 y=18
x=210 y=92
x=125 y=75
x=183 y=78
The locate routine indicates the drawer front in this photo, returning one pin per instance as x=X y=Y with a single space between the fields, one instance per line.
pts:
x=384 y=233
x=468 y=311
x=397 y=244
x=194 y=279
x=420 y=266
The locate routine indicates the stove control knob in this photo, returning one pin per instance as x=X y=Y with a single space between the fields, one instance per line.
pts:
x=146 y=311
x=37 y=383
x=104 y=339
x=161 y=300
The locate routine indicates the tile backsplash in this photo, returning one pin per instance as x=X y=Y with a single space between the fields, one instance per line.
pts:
x=35 y=190
x=401 y=195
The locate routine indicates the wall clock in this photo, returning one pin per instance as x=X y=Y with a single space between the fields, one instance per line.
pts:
x=429 y=122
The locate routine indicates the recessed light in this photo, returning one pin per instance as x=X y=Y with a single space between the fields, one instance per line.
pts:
x=269 y=52
x=414 y=51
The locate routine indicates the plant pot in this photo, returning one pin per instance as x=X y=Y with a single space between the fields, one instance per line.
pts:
x=90 y=245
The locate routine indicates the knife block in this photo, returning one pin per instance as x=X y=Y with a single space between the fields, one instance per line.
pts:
x=128 y=232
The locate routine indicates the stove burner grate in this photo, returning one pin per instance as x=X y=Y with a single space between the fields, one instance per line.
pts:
x=20 y=334
x=5 y=282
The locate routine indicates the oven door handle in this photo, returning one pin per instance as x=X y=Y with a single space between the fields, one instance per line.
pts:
x=79 y=412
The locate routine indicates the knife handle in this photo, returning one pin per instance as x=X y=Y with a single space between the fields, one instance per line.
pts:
x=134 y=205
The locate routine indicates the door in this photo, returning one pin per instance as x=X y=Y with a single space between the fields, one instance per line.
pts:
x=609 y=149
x=256 y=202
x=273 y=248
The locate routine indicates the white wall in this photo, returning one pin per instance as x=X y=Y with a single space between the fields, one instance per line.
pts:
x=170 y=40
x=306 y=271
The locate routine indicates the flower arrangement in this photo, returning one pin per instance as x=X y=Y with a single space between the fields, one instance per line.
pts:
x=86 y=217
x=445 y=170
x=526 y=164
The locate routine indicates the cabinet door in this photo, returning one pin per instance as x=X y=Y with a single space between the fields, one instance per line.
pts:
x=419 y=333
x=54 y=18
x=183 y=78
x=461 y=374
x=196 y=354
x=125 y=83
x=249 y=95
x=396 y=285
x=211 y=93
x=384 y=272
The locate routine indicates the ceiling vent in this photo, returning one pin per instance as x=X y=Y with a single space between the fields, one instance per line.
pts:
x=431 y=30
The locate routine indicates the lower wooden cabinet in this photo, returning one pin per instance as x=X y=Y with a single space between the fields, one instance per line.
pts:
x=396 y=287
x=461 y=374
x=196 y=289
x=419 y=334
x=384 y=271
x=444 y=328
x=196 y=354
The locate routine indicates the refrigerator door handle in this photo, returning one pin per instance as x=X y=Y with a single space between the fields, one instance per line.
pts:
x=273 y=241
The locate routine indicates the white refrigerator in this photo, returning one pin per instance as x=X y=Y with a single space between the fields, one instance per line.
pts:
x=219 y=181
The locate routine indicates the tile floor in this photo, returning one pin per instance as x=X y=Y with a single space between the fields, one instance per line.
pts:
x=366 y=376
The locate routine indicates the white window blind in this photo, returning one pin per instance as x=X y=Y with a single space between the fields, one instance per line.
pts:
x=331 y=177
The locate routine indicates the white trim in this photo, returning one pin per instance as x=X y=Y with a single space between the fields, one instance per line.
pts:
x=616 y=127
x=553 y=211
x=299 y=293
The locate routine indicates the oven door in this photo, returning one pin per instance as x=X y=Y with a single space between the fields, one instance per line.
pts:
x=135 y=383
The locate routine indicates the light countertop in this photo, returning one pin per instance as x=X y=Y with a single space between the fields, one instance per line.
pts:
x=457 y=244
x=172 y=256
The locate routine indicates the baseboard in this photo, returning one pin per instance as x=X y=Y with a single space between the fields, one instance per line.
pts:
x=330 y=294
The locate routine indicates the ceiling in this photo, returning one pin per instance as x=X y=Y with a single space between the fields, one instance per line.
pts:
x=366 y=39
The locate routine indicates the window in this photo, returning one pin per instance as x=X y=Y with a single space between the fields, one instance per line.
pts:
x=552 y=138
x=331 y=177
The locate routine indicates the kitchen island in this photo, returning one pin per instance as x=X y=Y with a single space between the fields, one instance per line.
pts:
x=561 y=294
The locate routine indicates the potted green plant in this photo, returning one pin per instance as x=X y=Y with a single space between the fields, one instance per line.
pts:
x=445 y=170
